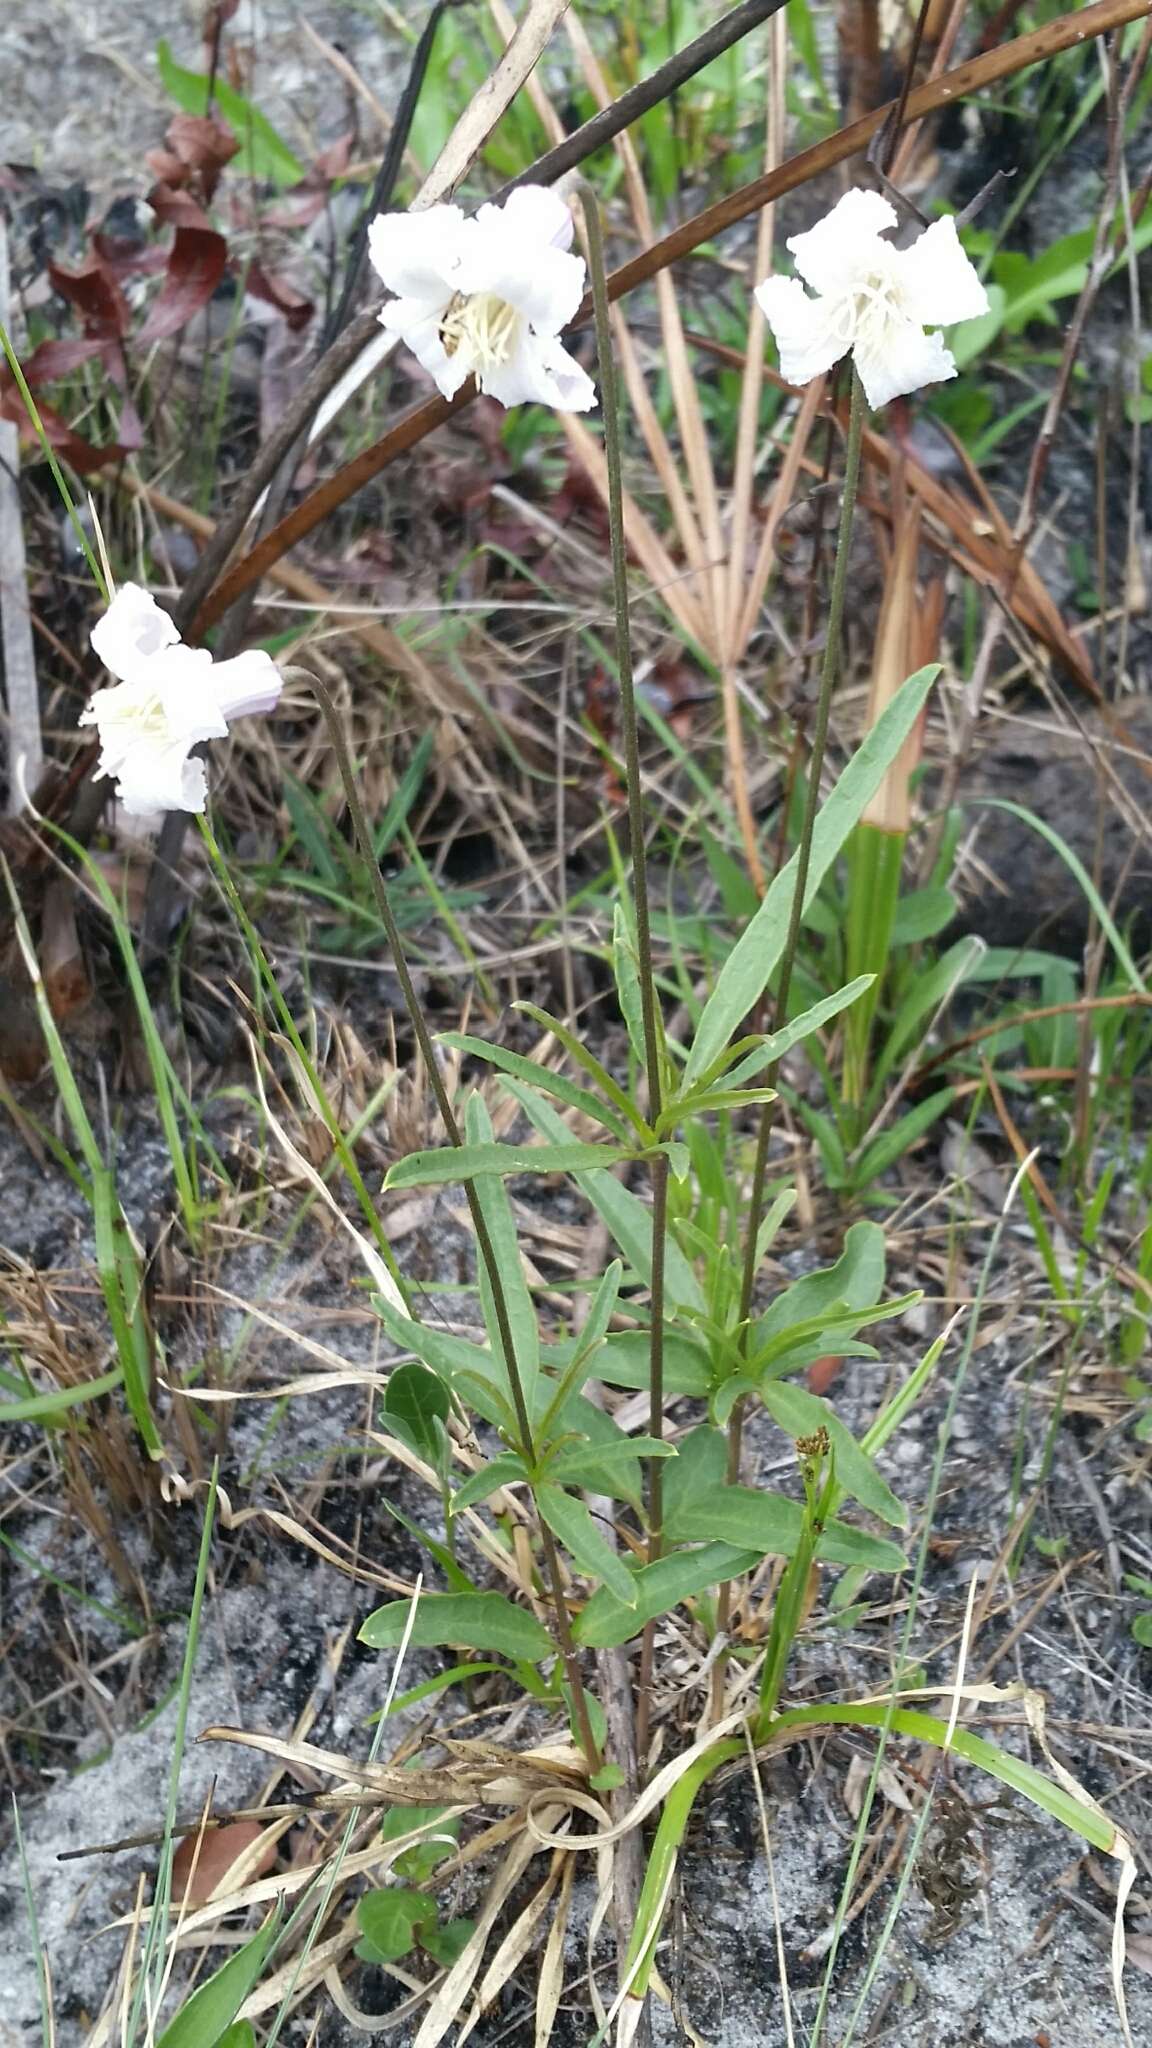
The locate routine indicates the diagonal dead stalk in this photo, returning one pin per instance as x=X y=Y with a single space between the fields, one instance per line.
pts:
x=975 y=76
x=364 y=331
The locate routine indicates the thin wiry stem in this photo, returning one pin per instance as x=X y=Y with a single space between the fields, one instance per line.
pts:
x=609 y=406
x=828 y=674
x=484 y=1244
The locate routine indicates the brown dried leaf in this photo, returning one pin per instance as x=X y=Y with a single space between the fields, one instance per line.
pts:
x=66 y=982
x=206 y=1863
x=276 y=291
x=96 y=296
x=195 y=266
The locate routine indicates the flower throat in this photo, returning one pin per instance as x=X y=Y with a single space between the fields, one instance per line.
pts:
x=482 y=324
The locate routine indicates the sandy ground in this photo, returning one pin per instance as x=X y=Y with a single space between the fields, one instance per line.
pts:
x=82 y=97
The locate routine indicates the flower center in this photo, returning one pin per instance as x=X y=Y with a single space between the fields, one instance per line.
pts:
x=487 y=328
x=866 y=311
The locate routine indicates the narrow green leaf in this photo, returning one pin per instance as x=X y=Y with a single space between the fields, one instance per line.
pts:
x=596 y=1466
x=523 y=1328
x=756 y=955
x=625 y=1360
x=929 y=991
x=571 y=1521
x=263 y=155
x=768 y=1523
x=801 y=1413
x=856 y=1280
x=211 y=2009
x=441 y=1681
x=543 y=1078
x=478 y=1621
x=475 y=1162
x=659 y=1587
x=627 y=976
x=42 y=1407
x=1044 y=1792
x=1076 y=867
x=892 y=1144
x=629 y=1220
x=505 y=1469
x=605 y=1082
x=777 y=1043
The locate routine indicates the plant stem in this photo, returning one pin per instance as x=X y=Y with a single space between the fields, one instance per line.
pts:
x=828 y=675
x=485 y=1247
x=652 y=1022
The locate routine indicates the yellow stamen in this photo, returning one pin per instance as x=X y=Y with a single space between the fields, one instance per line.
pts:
x=485 y=326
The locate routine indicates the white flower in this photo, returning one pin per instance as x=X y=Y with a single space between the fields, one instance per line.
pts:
x=167 y=698
x=871 y=298
x=487 y=296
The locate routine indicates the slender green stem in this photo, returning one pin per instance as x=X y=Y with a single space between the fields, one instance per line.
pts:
x=828 y=675
x=484 y=1244
x=651 y=1020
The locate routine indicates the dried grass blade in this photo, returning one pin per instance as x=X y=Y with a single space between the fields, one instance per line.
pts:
x=753 y=380
x=550 y=1983
x=514 y=1946
x=811 y=405
x=709 y=546
x=450 y=1995
x=667 y=580
x=492 y=99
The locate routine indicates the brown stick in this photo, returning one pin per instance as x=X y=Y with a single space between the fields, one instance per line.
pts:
x=972 y=77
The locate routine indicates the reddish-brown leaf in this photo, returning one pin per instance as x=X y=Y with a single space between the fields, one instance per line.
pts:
x=66 y=982
x=177 y=208
x=123 y=257
x=96 y=296
x=201 y=1863
x=82 y=455
x=57 y=359
x=203 y=143
x=276 y=291
x=195 y=266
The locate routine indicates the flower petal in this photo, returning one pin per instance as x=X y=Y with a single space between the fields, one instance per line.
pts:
x=904 y=359
x=419 y=330
x=834 y=252
x=132 y=631
x=524 y=268
x=808 y=341
x=249 y=683
x=152 y=780
x=540 y=372
x=419 y=255
x=938 y=284
x=537 y=213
